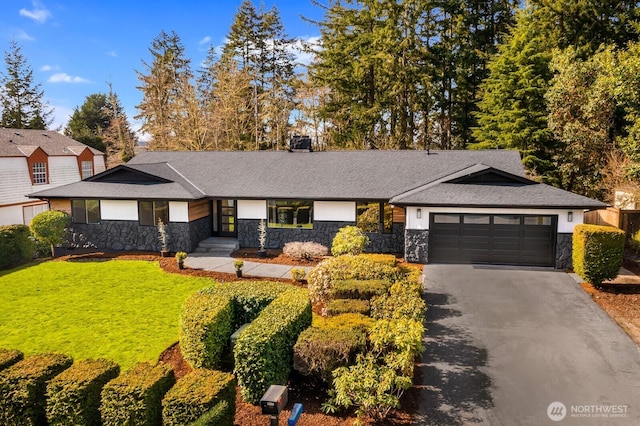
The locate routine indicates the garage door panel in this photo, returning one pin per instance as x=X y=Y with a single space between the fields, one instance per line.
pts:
x=520 y=240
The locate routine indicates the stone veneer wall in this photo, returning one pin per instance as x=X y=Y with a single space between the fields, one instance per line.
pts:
x=416 y=245
x=322 y=232
x=564 y=251
x=129 y=235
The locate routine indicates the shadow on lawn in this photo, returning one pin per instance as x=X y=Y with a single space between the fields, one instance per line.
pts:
x=452 y=387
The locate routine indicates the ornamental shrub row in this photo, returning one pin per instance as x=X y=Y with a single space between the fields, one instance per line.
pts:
x=8 y=357
x=207 y=397
x=206 y=323
x=358 y=289
x=346 y=306
x=347 y=267
x=73 y=396
x=16 y=246
x=277 y=314
x=263 y=352
x=23 y=388
x=135 y=397
x=597 y=252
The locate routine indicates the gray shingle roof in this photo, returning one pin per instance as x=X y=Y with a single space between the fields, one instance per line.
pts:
x=409 y=176
x=22 y=143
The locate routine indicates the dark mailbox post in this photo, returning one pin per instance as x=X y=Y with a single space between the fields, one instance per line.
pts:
x=273 y=401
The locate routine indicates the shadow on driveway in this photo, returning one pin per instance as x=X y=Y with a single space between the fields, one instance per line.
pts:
x=452 y=387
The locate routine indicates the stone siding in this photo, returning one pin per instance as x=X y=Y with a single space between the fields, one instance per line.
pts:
x=416 y=246
x=124 y=235
x=322 y=232
x=564 y=251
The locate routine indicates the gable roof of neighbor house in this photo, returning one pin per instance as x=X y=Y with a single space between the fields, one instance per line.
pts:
x=23 y=142
x=405 y=177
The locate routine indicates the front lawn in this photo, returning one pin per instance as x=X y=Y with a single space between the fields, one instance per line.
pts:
x=123 y=310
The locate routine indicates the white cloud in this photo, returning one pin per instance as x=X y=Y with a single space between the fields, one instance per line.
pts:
x=48 y=67
x=60 y=116
x=39 y=13
x=205 y=40
x=297 y=48
x=22 y=35
x=63 y=77
x=112 y=53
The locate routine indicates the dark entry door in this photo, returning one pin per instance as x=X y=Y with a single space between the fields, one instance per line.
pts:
x=227 y=220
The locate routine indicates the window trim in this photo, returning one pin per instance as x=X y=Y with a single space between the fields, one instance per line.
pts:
x=39 y=174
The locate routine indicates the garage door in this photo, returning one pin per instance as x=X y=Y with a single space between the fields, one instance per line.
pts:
x=493 y=239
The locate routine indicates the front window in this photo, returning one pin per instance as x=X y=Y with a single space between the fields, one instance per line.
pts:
x=87 y=169
x=29 y=212
x=85 y=211
x=152 y=211
x=39 y=173
x=373 y=216
x=290 y=214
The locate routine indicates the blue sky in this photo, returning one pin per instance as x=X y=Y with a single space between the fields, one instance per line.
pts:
x=76 y=46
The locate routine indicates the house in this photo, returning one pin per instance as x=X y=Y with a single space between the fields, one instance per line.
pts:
x=35 y=160
x=437 y=206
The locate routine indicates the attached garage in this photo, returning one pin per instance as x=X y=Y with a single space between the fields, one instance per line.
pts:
x=493 y=239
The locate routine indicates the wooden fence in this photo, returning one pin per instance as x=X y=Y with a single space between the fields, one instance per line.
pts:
x=627 y=220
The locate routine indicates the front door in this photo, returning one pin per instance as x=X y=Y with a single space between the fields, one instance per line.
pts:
x=227 y=223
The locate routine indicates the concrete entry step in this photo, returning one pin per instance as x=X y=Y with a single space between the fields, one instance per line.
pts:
x=218 y=246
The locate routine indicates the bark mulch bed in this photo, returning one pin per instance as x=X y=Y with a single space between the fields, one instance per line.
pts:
x=620 y=299
x=301 y=389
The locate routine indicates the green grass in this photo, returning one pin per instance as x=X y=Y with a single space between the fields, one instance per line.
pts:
x=123 y=310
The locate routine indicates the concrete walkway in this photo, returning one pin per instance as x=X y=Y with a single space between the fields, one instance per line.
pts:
x=250 y=269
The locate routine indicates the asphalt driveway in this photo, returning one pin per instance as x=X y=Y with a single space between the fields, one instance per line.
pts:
x=506 y=345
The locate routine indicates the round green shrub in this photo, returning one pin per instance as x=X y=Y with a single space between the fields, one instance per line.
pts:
x=349 y=240
x=50 y=226
x=15 y=245
x=597 y=252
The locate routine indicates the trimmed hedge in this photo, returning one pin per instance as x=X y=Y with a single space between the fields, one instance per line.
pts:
x=387 y=259
x=206 y=323
x=349 y=240
x=358 y=289
x=135 y=397
x=264 y=350
x=347 y=267
x=196 y=395
x=73 y=396
x=343 y=322
x=16 y=246
x=319 y=351
x=23 y=388
x=597 y=252
x=8 y=357
x=344 y=306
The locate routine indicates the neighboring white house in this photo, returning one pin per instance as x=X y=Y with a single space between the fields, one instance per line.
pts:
x=34 y=160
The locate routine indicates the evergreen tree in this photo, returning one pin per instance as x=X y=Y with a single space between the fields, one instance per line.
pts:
x=165 y=88
x=21 y=101
x=119 y=139
x=89 y=121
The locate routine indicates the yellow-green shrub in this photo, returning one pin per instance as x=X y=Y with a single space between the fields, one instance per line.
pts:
x=344 y=306
x=387 y=259
x=348 y=267
x=597 y=252
x=349 y=240
x=358 y=289
x=73 y=396
x=23 y=388
x=8 y=357
x=343 y=321
x=197 y=394
x=16 y=245
x=135 y=397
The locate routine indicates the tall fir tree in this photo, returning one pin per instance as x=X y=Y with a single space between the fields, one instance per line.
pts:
x=89 y=121
x=21 y=100
x=165 y=86
x=118 y=137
